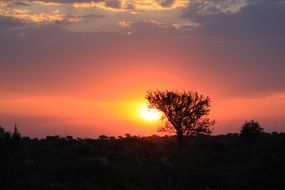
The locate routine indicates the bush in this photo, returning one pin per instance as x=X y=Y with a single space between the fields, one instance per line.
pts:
x=251 y=129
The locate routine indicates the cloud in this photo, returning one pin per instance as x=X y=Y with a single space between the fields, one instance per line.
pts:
x=9 y=23
x=167 y=3
x=44 y=3
x=213 y=6
x=156 y=26
x=125 y=24
x=66 y=12
x=99 y=5
x=133 y=5
x=259 y=20
x=26 y=15
x=36 y=12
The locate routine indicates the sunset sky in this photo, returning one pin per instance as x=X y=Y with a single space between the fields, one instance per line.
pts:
x=82 y=67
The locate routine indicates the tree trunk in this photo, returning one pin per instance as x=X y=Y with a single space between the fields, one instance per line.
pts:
x=180 y=140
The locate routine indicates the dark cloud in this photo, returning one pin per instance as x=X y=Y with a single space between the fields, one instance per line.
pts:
x=21 y=3
x=113 y=3
x=245 y=49
x=260 y=19
x=77 y=1
x=167 y=3
x=9 y=23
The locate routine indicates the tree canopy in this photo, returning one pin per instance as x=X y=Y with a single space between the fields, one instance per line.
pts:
x=186 y=112
x=251 y=129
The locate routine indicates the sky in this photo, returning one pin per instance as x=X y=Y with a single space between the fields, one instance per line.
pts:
x=82 y=67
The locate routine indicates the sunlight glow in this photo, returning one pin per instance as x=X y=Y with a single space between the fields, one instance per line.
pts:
x=150 y=114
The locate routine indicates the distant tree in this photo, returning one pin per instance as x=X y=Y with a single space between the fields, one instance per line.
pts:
x=251 y=129
x=2 y=132
x=103 y=137
x=16 y=134
x=112 y=138
x=69 y=138
x=130 y=138
x=186 y=112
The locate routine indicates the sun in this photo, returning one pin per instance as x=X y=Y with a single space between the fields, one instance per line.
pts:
x=149 y=114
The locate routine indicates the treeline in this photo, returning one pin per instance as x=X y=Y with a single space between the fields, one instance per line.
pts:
x=232 y=161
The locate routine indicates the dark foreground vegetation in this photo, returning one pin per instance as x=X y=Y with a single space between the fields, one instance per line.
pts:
x=229 y=161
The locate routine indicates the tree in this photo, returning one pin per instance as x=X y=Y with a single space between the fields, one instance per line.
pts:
x=16 y=134
x=186 y=112
x=103 y=137
x=251 y=129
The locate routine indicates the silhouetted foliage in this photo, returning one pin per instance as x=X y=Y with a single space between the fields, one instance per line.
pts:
x=251 y=129
x=103 y=137
x=145 y=163
x=186 y=112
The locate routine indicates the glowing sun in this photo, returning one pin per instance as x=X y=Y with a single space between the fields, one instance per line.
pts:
x=150 y=114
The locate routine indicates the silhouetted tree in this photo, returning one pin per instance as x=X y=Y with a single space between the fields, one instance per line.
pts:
x=251 y=129
x=2 y=132
x=16 y=135
x=186 y=112
x=103 y=137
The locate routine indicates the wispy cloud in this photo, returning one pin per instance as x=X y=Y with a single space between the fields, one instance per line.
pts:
x=117 y=15
x=133 y=5
x=26 y=15
x=35 y=12
x=44 y=3
x=214 y=6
